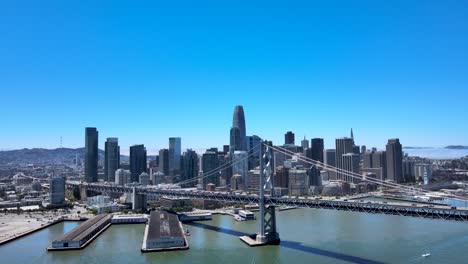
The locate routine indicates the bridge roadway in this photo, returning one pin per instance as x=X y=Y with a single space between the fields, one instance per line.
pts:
x=414 y=210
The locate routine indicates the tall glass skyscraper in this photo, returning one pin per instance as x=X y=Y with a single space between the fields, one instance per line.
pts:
x=190 y=168
x=343 y=146
x=395 y=160
x=174 y=155
x=237 y=133
x=111 y=158
x=137 y=161
x=91 y=154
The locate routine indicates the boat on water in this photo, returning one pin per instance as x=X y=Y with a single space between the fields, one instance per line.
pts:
x=426 y=255
x=238 y=218
x=187 y=232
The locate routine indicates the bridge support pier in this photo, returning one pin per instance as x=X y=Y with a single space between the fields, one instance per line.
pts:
x=268 y=234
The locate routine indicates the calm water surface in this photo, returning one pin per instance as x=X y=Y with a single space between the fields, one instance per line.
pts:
x=308 y=235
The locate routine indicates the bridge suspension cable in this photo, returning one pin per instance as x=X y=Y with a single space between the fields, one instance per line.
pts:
x=356 y=175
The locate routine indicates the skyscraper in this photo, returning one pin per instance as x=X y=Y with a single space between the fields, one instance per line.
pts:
x=253 y=149
x=379 y=160
x=289 y=138
x=351 y=164
x=210 y=162
x=91 y=154
x=330 y=159
x=305 y=143
x=343 y=146
x=164 y=161
x=317 y=149
x=57 y=190
x=237 y=136
x=190 y=168
x=240 y=165
x=174 y=155
x=111 y=158
x=395 y=161
x=137 y=161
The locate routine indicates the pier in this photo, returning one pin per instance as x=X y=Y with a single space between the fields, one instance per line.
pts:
x=83 y=234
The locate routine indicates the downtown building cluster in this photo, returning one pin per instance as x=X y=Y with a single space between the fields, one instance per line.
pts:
x=235 y=167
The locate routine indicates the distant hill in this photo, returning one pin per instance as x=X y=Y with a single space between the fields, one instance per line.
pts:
x=46 y=156
x=409 y=147
x=456 y=147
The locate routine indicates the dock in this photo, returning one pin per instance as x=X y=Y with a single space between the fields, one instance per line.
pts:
x=79 y=237
x=164 y=232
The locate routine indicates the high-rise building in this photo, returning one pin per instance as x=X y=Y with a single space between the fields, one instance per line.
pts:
x=253 y=149
x=164 y=161
x=57 y=190
x=122 y=177
x=137 y=161
x=379 y=160
x=144 y=178
x=363 y=149
x=350 y=164
x=240 y=164
x=174 y=155
x=305 y=143
x=298 y=181
x=111 y=158
x=91 y=154
x=330 y=159
x=289 y=138
x=210 y=162
x=281 y=177
x=367 y=159
x=317 y=149
x=409 y=170
x=395 y=161
x=190 y=168
x=343 y=146
x=237 y=139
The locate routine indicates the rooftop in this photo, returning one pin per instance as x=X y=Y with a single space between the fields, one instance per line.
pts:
x=163 y=224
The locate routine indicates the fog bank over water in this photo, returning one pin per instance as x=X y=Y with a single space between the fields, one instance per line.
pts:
x=437 y=153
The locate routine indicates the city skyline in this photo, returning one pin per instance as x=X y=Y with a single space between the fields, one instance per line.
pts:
x=385 y=69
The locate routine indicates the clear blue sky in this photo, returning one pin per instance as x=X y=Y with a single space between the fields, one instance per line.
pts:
x=144 y=72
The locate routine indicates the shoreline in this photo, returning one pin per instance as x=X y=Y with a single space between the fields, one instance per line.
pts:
x=11 y=239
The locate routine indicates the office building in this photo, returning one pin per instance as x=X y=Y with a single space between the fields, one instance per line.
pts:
x=122 y=177
x=253 y=149
x=298 y=182
x=305 y=143
x=137 y=161
x=174 y=155
x=111 y=158
x=317 y=148
x=240 y=164
x=144 y=178
x=343 y=146
x=395 y=161
x=289 y=138
x=379 y=160
x=329 y=156
x=57 y=190
x=210 y=163
x=190 y=168
x=164 y=161
x=238 y=131
x=91 y=154
x=351 y=165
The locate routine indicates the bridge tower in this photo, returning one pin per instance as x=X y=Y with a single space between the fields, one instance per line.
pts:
x=268 y=234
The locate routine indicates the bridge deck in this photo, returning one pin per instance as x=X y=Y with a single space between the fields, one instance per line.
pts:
x=423 y=211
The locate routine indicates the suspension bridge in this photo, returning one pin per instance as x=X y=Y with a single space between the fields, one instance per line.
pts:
x=267 y=200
